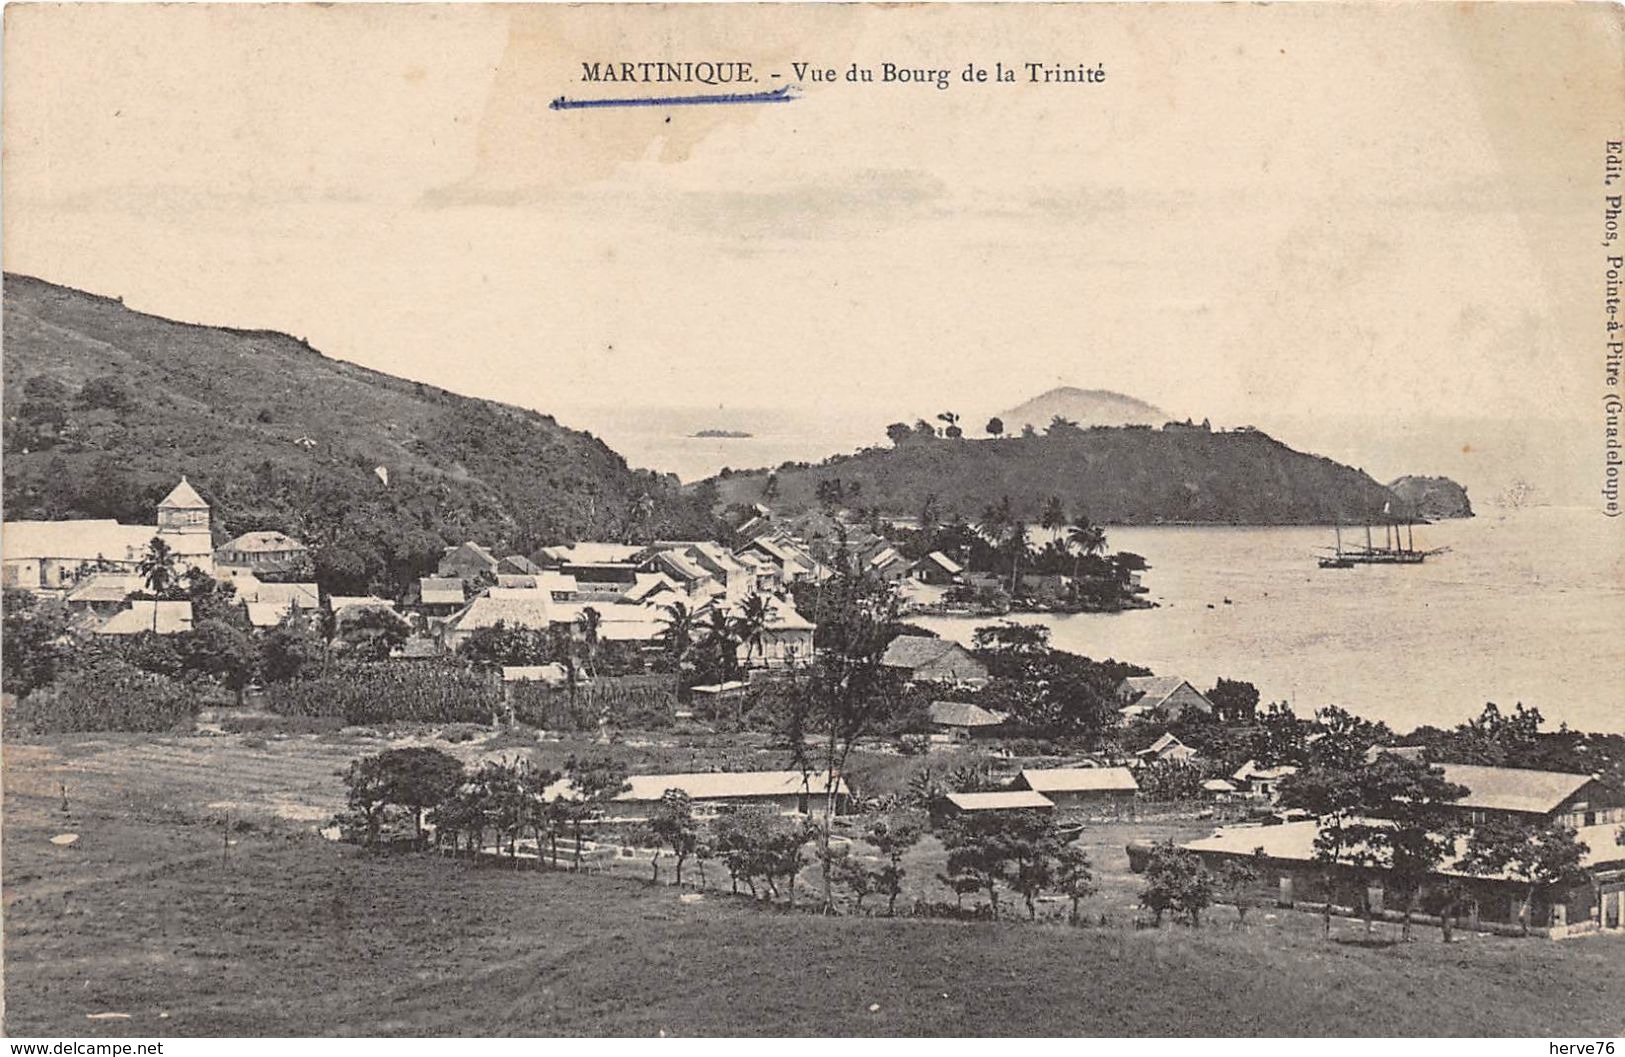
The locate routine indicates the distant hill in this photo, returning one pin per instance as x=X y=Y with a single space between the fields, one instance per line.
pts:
x=1086 y=407
x=1131 y=475
x=1432 y=497
x=106 y=407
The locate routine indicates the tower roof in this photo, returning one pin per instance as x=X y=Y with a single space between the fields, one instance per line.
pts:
x=184 y=497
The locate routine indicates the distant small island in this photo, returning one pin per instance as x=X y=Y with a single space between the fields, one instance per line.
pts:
x=731 y=434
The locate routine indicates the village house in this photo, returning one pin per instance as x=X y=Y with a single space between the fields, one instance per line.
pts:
x=559 y=587
x=1574 y=800
x=926 y=659
x=889 y=565
x=937 y=569
x=467 y=561
x=144 y=615
x=270 y=604
x=734 y=580
x=953 y=805
x=264 y=551
x=654 y=589
x=1082 y=788
x=787 y=639
x=514 y=609
x=1166 y=749
x=1291 y=874
x=103 y=594
x=517 y=565
x=696 y=583
x=1262 y=783
x=1164 y=698
x=788 y=792
x=959 y=721
x=440 y=596
x=53 y=555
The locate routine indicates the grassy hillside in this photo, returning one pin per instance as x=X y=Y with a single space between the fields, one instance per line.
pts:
x=291 y=935
x=105 y=407
x=1116 y=476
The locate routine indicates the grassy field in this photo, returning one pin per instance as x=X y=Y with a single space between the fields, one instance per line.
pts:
x=290 y=934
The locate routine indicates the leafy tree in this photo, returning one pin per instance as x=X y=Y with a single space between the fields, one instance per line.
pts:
x=951 y=429
x=213 y=599
x=978 y=855
x=368 y=784
x=35 y=644
x=1034 y=854
x=930 y=512
x=899 y=433
x=373 y=632
x=1236 y=878
x=290 y=651
x=419 y=778
x=1417 y=829
x=1234 y=701
x=1008 y=635
x=995 y=426
x=222 y=651
x=1334 y=798
x=506 y=644
x=1345 y=739
x=596 y=778
x=1176 y=880
x=855 y=875
x=1074 y=877
x=673 y=825
x=893 y=838
x=1536 y=855
x=846 y=689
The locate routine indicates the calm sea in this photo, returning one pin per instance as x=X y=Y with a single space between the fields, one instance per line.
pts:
x=1527 y=606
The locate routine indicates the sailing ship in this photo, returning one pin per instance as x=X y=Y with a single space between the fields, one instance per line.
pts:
x=1398 y=548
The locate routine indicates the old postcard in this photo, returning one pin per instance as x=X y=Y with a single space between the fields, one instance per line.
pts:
x=814 y=520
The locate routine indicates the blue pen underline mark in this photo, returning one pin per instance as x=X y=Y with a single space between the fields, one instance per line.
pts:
x=774 y=95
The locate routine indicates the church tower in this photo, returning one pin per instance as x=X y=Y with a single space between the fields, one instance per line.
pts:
x=183 y=512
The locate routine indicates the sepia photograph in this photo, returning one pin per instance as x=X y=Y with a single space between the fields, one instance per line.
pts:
x=813 y=520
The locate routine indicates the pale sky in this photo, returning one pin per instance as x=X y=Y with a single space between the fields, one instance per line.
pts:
x=1392 y=209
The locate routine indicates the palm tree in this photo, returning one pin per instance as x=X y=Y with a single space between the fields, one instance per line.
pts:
x=678 y=633
x=930 y=512
x=157 y=569
x=1054 y=517
x=751 y=626
x=157 y=566
x=721 y=636
x=587 y=625
x=1084 y=538
x=1007 y=533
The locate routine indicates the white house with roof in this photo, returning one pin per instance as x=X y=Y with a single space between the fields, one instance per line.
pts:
x=264 y=550
x=1081 y=787
x=53 y=555
x=1160 y=697
x=790 y=792
x=787 y=638
x=146 y=615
